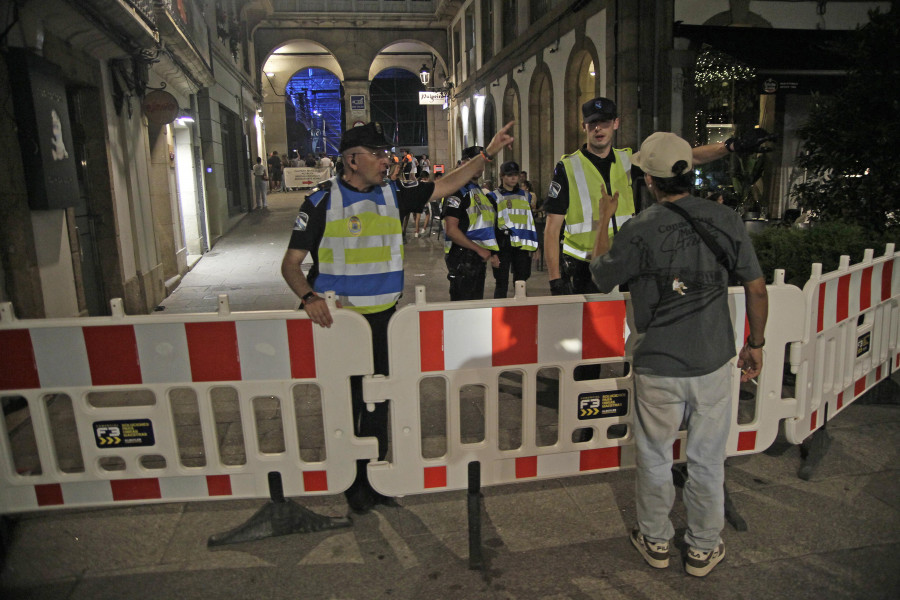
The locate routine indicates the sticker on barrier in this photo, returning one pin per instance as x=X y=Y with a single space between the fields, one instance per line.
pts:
x=173 y=408
x=850 y=338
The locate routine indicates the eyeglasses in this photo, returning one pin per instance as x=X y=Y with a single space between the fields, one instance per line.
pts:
x=376 y=153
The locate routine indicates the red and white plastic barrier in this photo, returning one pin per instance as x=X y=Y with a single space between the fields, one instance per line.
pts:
x=474 y=343
x=257 y=355
x=843 y=331
x=850 y=338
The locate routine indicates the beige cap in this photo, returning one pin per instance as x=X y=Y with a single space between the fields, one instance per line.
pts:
x=661 y=154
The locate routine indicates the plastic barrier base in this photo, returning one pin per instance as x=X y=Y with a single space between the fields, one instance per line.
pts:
x=279 y=516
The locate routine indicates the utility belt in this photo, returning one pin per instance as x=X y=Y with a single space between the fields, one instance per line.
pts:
x=462 y=262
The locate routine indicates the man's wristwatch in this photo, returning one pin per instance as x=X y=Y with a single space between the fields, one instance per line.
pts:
x=307 y=297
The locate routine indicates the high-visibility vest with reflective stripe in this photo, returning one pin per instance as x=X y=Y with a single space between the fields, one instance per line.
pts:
x=585 y=185
x=514 y=215
x=361 y=252
x=482 y=218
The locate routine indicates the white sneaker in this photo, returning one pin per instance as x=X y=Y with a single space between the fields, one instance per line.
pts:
x=701 y=562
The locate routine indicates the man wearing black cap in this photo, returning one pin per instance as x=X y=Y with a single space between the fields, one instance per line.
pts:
x=365 y=268
x=516 y=232
x=579 y=179
x=469 y=230
x=677 y=256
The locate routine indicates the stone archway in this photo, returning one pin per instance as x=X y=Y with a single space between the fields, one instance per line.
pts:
x=277 y=71
x=512 y=112
x=581 y=84
x=541 y=124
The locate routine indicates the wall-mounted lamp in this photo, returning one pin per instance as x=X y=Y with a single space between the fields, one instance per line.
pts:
x=184 y=116
x=270 y=74
x=425 y=74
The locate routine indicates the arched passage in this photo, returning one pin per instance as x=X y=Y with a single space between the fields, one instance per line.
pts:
x=540 y=112
x=581 y=84
x=313 y=112
x=511 y=112
x=394 y=98
x=289 y=77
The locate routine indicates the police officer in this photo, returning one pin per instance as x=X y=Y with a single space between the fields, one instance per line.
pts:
x=361 y=202
x=579 y=179
x=469 y=221
x=516 y=231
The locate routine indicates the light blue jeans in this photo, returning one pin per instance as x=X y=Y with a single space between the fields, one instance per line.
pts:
x=704 y=404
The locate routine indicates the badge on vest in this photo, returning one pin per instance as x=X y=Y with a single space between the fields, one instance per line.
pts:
x=354 y=226
x=300 y=223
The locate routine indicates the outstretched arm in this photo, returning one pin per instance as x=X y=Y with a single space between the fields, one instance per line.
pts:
x=462 y=174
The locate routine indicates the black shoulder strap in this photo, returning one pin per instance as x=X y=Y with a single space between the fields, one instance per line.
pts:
x=705 y=235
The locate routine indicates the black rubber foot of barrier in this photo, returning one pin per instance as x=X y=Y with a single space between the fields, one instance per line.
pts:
x=278 y=518
x=812 y=451
x=733 y=517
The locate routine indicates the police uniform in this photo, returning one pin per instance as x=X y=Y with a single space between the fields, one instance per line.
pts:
x=575 y=192
x=477 y=219
x=336 y=220
x=516 y=233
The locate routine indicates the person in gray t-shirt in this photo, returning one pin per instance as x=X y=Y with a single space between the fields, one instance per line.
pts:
x=679 y=295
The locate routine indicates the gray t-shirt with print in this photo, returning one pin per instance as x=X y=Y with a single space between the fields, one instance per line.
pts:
x=678 y=291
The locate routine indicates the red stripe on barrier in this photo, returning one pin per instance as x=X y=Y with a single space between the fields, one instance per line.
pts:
x=865 y=289
x=887 y=278
x=840 y=401
x=843 y=298
x=514 y=335
x=526 y=466
x=435 y=477
x=49 y=494
x=747 y=329
x=302 y=348
x=600 y=458
x=603 y=329
x=213 y=350
x=878 y=374
x=218 y=485
x=19 y=365
x=821 y=316
x=813 y=419
x=112 y=354
x=859 y=387
x=676 y=450
x=135 y=489
x=431 y=340
x=746 y=441
x=315 y=481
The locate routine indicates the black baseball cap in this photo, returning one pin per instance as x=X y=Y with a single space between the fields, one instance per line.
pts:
x=510 y=167
x=471 y=152
x=370 y=135
x=599 y=109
